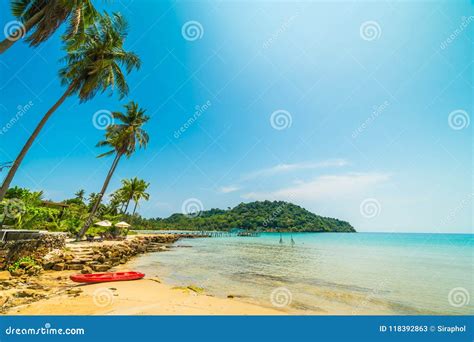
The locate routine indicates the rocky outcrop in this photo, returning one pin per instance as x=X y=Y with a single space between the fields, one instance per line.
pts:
x=101 y=258
x=21 y=286
x=12 y=251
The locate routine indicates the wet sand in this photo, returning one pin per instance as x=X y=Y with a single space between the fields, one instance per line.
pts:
x=141 y=297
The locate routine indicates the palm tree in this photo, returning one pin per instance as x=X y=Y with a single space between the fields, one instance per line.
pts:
x=113 y=205
x=131 y=188
x=80 y=195
x=123 y=139
x=140 y=193
x=91 y=200
x=126 y=191
x=93 y=66
x=40 y=19
x=118 y=197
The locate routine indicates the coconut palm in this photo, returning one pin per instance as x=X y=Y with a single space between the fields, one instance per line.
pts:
x=91 y=200
x=39 y=19
x=129 y=189
x=118 y=197
x=126 y=192
x=123 y=139
x=93 y=66
x=80 y=195
x=140 y=193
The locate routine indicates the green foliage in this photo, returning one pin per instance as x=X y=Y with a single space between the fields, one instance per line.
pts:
x=27 y=210
x=261 y=216
x=50 y=15
x=29 y=260
x=255 y=216
x=97 y=61
x=23 y=208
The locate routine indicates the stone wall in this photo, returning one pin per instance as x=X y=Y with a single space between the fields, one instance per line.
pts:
x=102 y=257
x=12 y=251
x=50 y=252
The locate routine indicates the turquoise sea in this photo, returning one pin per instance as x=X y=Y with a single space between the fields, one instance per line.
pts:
x=328 y=273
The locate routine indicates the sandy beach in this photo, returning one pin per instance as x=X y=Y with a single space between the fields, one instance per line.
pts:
x=53 y=293
x=141 y=297
x=193 y=281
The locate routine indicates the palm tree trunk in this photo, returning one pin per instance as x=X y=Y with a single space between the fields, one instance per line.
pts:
x=26 y=147
x=126 y=207
x=10 y=40
x=99 y=198
x=135 y=208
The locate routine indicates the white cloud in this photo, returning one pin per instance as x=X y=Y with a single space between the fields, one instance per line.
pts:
x=228 y=189
x=324 y=187
x=284 y=168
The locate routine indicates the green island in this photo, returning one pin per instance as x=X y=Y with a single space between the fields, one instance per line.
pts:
x=254 y=216
x=25 y=209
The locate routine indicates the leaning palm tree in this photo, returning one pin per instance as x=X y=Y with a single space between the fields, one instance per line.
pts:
x=94 y=66
x=123 y=139
x=39 y=19
x=140 y=193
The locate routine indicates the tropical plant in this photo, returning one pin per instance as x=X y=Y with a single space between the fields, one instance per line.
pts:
x=24 y=260
x=80 y=195
x=23 y=208
x=133 y=189
x=91 y=200
x=123 y=139
x=93 y=66
x=39 y=19
x=140 y=194
x=125 y=193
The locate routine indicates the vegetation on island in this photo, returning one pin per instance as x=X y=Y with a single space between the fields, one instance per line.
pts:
x=25 y=209
x=254 y=216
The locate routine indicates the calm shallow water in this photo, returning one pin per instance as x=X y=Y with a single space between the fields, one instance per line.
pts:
x=334 y=273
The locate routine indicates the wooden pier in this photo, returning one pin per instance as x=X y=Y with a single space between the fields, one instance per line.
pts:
x=212 y=234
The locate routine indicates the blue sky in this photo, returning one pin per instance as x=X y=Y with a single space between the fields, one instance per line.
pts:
x=361 y=95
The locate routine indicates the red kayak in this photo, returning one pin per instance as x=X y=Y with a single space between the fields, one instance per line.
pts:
x=104 y=277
